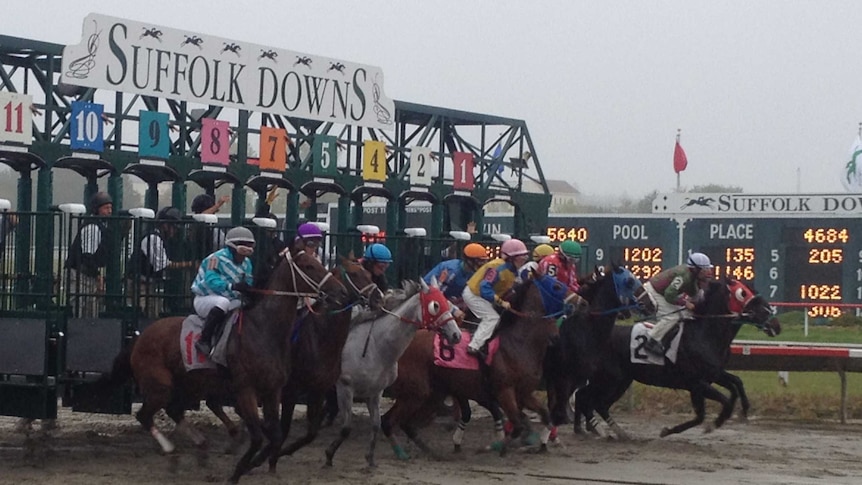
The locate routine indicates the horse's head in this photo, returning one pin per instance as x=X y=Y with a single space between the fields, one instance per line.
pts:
x=557 y=298
x=307 y=275
x=437 y=313
x=358 y=282
x=630 y=290
x=752 y=307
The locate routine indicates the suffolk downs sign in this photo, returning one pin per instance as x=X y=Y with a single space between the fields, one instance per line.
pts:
x=795 y=204
x=128 y=56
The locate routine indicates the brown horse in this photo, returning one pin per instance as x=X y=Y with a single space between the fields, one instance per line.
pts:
x=511 y=379
x=316 y=354
x=258 y=356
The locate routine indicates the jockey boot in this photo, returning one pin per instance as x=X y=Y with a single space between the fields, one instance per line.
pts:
x=214 y=320
x=654 y=346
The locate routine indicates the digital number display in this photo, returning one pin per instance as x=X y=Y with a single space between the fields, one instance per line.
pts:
x=817 y=256
x=643 y=261
x=559 y=233
x=735 y=262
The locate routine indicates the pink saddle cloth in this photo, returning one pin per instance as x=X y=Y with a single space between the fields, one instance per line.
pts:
x=456 y=356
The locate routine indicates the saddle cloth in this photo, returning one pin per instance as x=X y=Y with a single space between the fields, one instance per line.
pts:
x=193 y=325
x=639 y=339
x=456 y=356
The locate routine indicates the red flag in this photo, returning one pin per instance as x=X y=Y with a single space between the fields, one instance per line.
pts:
x=680 y=162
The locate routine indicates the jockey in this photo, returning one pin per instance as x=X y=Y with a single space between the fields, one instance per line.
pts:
x=376 y=259
x=539 y=252
x=487 y=286
x=308 y=238
x=458 y=272
x=222 y=277
x=564 y=265
x=542 y=251
x=674 y=290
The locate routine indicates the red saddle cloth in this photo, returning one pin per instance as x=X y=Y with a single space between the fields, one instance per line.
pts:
x=456 y=356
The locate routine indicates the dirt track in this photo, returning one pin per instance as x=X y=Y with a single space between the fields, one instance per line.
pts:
x=93 y=450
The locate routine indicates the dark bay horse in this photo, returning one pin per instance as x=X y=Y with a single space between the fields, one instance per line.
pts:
x=316 y=347
x=370 y=356
x=258 y=356
x=703 y=352
x=513 y=375
x=585 y=337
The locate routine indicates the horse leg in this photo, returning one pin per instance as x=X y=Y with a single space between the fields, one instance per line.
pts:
x=533 y=404
x=734 y=384
x=233 y=430
x=271 y=427
x=698 y=403
x=156 y=389
x=509 y=403
x=176 y=410
x=288 y=404
x=373 y=404
x=466 y=414
x=246 y=404
x=345 y=410
x=387 y=425
x=314 y=416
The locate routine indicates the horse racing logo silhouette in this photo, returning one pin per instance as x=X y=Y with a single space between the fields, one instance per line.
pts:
x=703 y=201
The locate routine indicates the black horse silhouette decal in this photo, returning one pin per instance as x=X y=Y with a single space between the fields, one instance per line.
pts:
x=233 y=47
x=152 y=32
x=304 y=60
x=336 y=66
x=703 y=201
x=269 y=54
x=193 y=40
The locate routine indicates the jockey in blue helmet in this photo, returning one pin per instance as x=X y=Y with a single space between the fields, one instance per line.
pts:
x=376 y=259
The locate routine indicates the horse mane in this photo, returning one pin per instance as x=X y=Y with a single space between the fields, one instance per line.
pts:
x=712 y=304
x=391 y=300
x=517 y=300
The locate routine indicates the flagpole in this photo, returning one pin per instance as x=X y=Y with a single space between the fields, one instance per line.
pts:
x=678 y=131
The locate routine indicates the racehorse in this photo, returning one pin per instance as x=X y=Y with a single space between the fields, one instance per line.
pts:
x=258 y=357
x=370 y=356
x=703 y=351
x=317 y=342
x=584 y=337
x=524 y=333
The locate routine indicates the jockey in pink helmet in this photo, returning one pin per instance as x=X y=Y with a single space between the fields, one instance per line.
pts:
x=487 y=286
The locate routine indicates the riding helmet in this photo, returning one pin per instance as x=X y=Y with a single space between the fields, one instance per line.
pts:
x=571 y=249
x=379 y=253
x=475 y=251
x=169 y=213
x=309 y=230
x=699 y=261
x=238 y=235
x=513 y=247
x=542 y=250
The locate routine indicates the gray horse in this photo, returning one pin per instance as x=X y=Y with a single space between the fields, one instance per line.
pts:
x=369 y=361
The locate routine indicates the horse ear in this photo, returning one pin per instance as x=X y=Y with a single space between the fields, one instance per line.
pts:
x=350 y=256
x=424 y=286
x=434 y=282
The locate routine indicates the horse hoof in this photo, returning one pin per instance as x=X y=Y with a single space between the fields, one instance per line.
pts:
x=543 y=448
x=709 y=428
x=664 y=432
x=457 y=449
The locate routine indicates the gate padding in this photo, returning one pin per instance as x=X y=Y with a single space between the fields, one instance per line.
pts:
x=92 y=343
x=22 y=346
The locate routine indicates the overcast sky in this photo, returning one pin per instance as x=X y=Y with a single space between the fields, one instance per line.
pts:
x=768 y=94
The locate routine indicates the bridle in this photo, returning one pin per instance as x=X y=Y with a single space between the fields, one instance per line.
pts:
x=295 y=270
x=363 y=295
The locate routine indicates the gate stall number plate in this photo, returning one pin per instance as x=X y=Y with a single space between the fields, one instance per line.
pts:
x=16 y=119
x=86 y=127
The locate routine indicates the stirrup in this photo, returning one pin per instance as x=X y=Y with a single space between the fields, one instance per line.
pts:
x=203 y=347
x=654 y=346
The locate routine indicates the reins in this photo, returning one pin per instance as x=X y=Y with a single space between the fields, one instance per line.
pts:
x=294 y=271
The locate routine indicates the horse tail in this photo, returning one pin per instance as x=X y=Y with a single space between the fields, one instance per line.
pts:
x=121 y=370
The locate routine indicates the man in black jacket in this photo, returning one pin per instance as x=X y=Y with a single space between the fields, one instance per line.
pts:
x=88 y=255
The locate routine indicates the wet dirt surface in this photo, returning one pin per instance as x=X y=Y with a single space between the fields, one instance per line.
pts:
x=96 y=449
